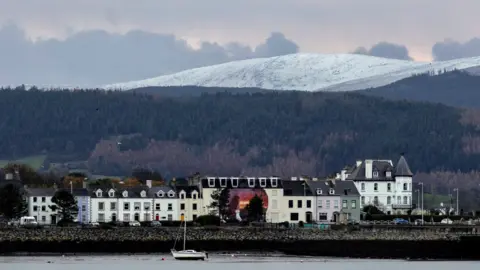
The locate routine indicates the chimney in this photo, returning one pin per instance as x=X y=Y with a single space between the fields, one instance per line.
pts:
x=343 y=175
x=359 y=162
x=84 y=184
x=149 y=183
x=368 y=168
x=293 y=178
x=9 y=176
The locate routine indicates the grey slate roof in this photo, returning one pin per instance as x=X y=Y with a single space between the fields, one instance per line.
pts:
x=242 y=182
x=133 y=192
x=381 y=166
x=341 y=188
x=296 y=188
x=402 y=168
x=154 y=192
x=38 y=192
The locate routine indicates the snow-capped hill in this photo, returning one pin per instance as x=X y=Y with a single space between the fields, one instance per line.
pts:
x=309 y=72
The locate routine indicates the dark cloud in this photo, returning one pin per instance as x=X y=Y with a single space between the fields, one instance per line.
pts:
x=98 y=57
x=450 y=49
x=386 y=50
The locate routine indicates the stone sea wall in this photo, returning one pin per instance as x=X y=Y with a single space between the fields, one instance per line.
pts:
x=365 y=243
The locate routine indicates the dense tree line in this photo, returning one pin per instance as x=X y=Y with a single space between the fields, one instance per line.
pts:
x=313 y=133
x=456 y=88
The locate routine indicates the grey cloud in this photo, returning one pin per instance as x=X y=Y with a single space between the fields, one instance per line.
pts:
x=450 y=49
x=386 y=50
x=98 y=57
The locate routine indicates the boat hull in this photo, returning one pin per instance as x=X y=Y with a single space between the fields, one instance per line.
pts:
x=189 y=255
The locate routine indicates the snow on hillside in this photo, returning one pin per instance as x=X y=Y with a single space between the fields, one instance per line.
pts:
x=309 y=72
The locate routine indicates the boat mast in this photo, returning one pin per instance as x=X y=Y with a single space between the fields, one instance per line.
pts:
x=184 y=233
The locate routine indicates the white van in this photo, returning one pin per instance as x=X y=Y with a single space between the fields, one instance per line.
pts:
x=28 y=221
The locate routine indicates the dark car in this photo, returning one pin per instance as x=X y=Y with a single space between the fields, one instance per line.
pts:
x=399 y=221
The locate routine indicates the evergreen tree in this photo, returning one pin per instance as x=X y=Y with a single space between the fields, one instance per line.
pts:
x=65 y=204
x=220 y=203
x=255 y=209
x=13 y=202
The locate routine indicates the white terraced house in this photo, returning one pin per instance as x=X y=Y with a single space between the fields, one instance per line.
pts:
x=380 y=183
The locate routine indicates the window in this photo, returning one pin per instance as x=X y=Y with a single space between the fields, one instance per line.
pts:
x=331 y=191
x=35 y=208
x=182 y=206
x=234 y=182
x=143 y=194
x=389 y=174
x=171 y=194
x=113 y=206
x=344 y=204
x=84 y=208
x=146 y=206
x=114 y=217
x=169 y=207
x=195 y=196
x=251 y=182
x=101 y=217
x=44 y=208
x=389 y=187
x=375 y=187
x=126 y=206
x=111 y=193
x=44 y=218
x=354 y=204
x=126 y=217
x=136 y=217
x=263 y=182
x=274 y=192
x=170 y=217
x=362 y=186
x=319 y=203
x=299 y=204
x=322 y=216
x=157 y=206
x=44 y=199
x=211 y=182
x=362 y=200
x=274 y=204
x=136 y=206
x=399 y=200
x=160 y=193
x=34 y=199
x=319 y=191
x=309 y=204
x=274 y=182
x=375 y=174
x=98 y=193
x=335 y=204
x=194 y=207
x=290 y=203
x=223 y=182
x=194 y=217
x=389 y=200
x=405 y=187
x=327 y=204
x=101 y=206
x=125 y=194
x=294 y=216
x=84 y=218
x=405 y=200
x=182 y=195
x=375 y=201
x=146 y=217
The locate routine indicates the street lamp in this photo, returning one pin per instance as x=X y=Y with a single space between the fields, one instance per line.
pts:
x=418 y=197
x=456 y=189
x=421 y=184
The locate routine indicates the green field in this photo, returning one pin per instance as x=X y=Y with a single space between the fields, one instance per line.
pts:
x=33 y=161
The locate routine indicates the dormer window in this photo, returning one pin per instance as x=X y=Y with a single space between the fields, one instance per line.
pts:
x=211 y=182
x=99 y=193
x=251 y=182
x=194 y=195
x=143 y=194
x=263 y=182
x=234 y=182
x=171 y=194
x=319 y=191
x=375 y=174
x=111 y=193
x=331 y=191
x=125 y=194
x=182 y=195
x=160 y=193
x=223 y=182
x=274 y=181
x=389 y=174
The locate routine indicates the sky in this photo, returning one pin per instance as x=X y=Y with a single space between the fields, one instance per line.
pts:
x=67 y=41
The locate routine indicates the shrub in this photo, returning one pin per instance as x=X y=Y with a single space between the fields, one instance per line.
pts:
x=208 y=220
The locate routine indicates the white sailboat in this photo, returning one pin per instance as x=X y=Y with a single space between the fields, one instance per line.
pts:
x=187 y=254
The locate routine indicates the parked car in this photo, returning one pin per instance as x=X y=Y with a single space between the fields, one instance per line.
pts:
x=446 y=221
x=134 y=223
x=156 y=223
x=399 y=221
x=419 y=222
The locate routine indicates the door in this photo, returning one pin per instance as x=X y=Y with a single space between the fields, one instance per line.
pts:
x=308 y=217
x=54 y=220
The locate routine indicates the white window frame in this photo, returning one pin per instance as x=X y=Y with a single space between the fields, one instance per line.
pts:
x=234 y=181
x=319 y=191
x=125 y=194
x=171 y=194
x=331 y=191
x=211 y=182
x=263 y=182
x=161 y=193
x=274 y=182
x=223 y=182
x=143 y=194
x=99 y=193
x=251 y=182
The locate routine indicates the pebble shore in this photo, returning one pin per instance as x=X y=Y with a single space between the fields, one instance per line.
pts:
x=57 y=234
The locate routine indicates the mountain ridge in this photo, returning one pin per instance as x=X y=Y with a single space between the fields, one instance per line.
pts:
x=302 y=71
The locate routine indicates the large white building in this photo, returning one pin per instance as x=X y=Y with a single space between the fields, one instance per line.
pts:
x=383 y=184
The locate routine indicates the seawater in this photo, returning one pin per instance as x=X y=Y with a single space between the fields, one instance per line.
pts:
x=220 y=262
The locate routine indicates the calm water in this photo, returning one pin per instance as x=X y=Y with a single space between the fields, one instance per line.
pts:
x=218 y=262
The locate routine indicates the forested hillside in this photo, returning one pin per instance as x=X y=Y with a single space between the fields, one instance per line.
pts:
x=281 y=133
x=457 y=88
